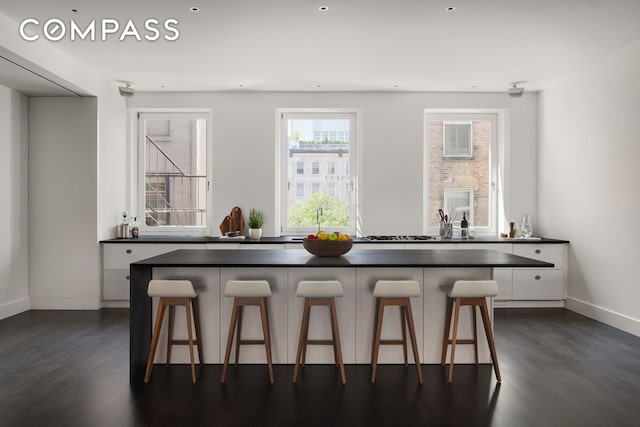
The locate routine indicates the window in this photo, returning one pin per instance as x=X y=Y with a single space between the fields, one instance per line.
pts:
x=459 y=202
x=300 y=191
x=331 y=189
x=172 y=178
x=457 y=138
x=326 y=140
x=300 y=168
x=331 y=168
x=461 y=165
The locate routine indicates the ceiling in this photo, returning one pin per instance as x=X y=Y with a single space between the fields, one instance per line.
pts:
x=355 y=45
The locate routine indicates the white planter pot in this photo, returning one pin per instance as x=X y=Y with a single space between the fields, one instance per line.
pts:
x=255 y=233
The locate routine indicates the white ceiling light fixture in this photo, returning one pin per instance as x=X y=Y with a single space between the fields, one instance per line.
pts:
x=323 y=8
x=514 y=91
x=127 y=91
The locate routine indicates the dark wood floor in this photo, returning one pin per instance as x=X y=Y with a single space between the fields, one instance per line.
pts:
x=559 y=369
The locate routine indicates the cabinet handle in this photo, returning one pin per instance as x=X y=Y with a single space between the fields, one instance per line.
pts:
x=128 y=277
x=537 y=277
x=129 y=251
x=538 y=251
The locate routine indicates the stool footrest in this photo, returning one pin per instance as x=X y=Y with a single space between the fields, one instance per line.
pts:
x=392 y=342
x=251 y=342
x=183 y=342
x=462 y=342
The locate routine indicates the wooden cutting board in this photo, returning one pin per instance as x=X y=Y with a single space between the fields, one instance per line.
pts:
x=233 y=222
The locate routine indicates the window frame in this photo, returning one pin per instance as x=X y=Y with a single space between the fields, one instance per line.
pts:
x=469 y=153
x=281 y=179
x=136 y=175
x=499 y=170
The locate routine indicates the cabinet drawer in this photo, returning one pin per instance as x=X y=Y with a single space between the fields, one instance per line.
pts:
x=115 y=285
x=542 y=284
x=118 y=256
x=547 y=253
x=500 y=247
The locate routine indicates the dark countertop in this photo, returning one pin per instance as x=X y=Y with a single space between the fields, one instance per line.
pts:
x=298 y=239
x=425 y=258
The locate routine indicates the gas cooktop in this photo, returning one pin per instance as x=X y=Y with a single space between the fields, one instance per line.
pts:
x=400 y=237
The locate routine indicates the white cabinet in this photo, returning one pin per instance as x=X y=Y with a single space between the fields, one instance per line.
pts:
x=520 y=287
x=540 y=286
x=115 y=264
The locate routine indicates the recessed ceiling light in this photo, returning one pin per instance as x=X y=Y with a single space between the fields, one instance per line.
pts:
x=323 y=8
x=194 y=9
x=450 y=9
x=74 y=10
x=318 y=86
x=241 y=85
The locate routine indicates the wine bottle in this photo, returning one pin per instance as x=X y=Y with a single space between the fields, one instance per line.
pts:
x=464 y=226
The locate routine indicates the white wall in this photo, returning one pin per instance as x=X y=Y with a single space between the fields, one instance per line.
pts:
x=244 y=134
x=589 y=177
x=14 y=295
x=64 y=256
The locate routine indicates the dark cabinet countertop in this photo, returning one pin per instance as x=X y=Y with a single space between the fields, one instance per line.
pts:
x=298 y=239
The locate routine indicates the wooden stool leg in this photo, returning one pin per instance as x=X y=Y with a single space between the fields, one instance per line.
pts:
x=172 y=312
x=447 y=331
x=475 y=333
x=232 y=325
x=376 y=341
x=301 y=340
x=375 y=323
x=403 y=316
x=306 y=332
x=154 y=341
x=414 y=341
x=195 y=305
x=336 y=339
x=187 y=310
x=492 y=346
x=267 y=337
x=455 y=335
x=238 y=333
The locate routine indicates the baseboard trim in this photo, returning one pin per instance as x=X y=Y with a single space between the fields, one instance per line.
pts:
x=115 y=304
x=14 y=307
x=66 y=304
x=604 y=315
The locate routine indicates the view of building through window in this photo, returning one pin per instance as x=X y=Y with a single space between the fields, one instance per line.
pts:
x=318 y=175
x=459 y=170
x=175 y=179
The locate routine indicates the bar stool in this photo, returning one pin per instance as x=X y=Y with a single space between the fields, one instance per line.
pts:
x=174 y=293
x=395 y=293
x=319 y=293
x=472 y=293
x=244 y=293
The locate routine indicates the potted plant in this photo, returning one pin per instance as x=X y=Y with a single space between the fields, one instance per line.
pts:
x=256 y=220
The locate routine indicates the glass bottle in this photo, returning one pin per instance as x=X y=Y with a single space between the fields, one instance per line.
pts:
x=135 y=227
x=464 y=226
x=527 y=227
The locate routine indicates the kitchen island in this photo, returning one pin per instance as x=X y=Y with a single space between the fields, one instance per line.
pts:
x=358 y=271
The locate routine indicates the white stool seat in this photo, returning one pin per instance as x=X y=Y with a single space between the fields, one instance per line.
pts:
x=319 y=289
x=396 y=289
x=471 y=289
x=171 y=289
x=247 y=289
